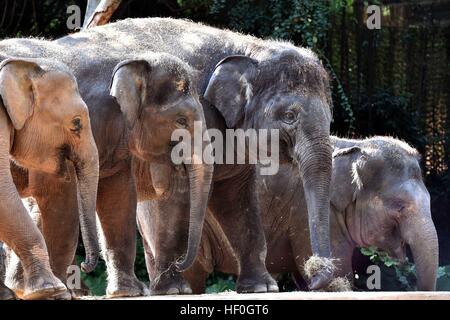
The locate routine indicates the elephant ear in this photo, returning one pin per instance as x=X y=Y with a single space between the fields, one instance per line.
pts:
x=128 y=85
x=229 y=88
x=17 y=89
x=346 y=180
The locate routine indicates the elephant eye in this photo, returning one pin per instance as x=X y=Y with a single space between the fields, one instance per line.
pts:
x=289 y=117
x=76 y=126
x=182 y=122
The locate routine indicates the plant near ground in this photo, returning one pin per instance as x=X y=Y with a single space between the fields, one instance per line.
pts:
x=405 y=273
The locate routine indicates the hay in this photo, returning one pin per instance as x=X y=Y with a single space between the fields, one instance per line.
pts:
x=339 y=284
x=315 y=265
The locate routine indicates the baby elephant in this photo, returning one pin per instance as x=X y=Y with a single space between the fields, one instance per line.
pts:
x=157 y=95
x=378 y=198
x=44 y=126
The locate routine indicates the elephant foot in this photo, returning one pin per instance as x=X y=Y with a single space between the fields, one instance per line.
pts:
x=170 y=286
x=256 y=284
x=39 y=287
x=128 y=286
x=6 y=293
x=66 y=295
x=77 y=293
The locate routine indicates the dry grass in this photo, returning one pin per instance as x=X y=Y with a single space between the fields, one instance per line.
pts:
x=315 y=265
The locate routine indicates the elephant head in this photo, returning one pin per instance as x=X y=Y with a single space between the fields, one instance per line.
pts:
x=156 y=95
x=49 y=127
x=378 y=184
x=286 y=91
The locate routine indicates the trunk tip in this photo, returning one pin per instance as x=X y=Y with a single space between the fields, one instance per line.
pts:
x=184 y=264
x=89 y=264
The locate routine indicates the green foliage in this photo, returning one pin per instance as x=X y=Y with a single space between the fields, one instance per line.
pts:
x=302 y=21
x=140 y=267
x=402 y=276
x=443 y=281
x=219 y=282
x=396 y=275
x=378 y=256
x=96 y=280
x=386 y=113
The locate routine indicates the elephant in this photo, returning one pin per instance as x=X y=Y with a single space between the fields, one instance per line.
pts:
x=45 y=128
x=2 y=263
x=378 y=198
x=243 y=82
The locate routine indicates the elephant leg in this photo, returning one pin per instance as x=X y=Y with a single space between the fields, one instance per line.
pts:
x=57 y=206
x=234 y=205
x=162 y=229
x=116 y=209
x=196 y=277
x=13 y=269
x=148 y=254
x=5 y=292
x=2 y=263
x=55 y=212
x=28 y=244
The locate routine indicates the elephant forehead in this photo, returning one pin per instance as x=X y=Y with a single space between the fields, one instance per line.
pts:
x=55 y=82
x=295 y=75
x=287 y=100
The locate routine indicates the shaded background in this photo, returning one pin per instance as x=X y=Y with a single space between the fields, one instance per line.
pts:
x=392 y=81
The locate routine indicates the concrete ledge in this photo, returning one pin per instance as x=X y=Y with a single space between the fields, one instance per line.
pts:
x=418 y=295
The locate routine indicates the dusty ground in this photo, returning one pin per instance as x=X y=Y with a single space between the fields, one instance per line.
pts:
x=442 y=295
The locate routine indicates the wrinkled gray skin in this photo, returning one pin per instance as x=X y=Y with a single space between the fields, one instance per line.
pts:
x=258 y=84
x=377 y=199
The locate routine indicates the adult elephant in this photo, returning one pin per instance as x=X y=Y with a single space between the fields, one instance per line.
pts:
x=378 y=199
x=44 y=127
x=247 y=83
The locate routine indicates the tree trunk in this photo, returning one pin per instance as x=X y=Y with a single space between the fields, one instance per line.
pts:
x=99 y=12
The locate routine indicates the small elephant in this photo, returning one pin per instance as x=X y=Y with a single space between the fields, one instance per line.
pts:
x=156 y=93
x=45 y=127
x=378 y=198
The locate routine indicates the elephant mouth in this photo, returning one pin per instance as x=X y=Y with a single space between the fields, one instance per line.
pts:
x=399 y=253
x=64 y=154
x=286 y=152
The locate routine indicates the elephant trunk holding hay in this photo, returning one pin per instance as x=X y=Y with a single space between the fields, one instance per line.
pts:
x=378 y=198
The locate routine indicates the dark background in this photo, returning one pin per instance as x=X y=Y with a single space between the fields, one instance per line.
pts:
x=393 y=81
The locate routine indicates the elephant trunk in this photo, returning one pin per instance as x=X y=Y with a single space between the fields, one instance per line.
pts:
x=314 y=157
x=87 y=170
x=420 y=234
x=200 y=177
